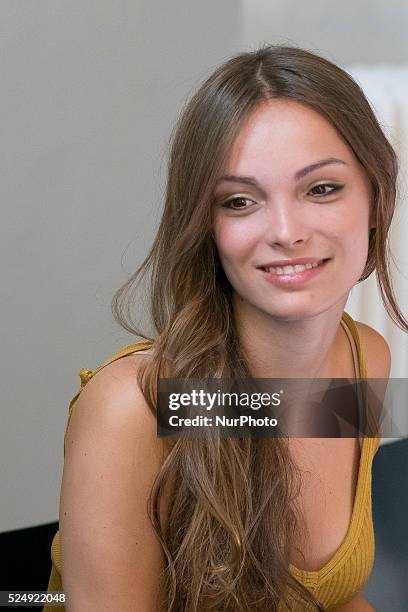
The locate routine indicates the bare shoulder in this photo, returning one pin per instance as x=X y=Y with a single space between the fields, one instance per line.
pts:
x=111 y=555
x=112 y=398
x=376 y=350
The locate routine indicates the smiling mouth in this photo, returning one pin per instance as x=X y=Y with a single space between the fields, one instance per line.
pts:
x=295 y=269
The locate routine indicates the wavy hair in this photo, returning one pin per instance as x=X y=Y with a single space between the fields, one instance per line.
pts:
x=232 y=521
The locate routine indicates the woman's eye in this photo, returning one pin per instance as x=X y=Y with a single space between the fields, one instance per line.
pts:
x=228 y=203
x=333 y=187
x=239 y=203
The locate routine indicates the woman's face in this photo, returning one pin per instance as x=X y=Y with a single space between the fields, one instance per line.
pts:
x=271 y=208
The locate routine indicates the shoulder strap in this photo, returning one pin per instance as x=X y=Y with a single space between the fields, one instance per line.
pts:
x=352 y=328
x=372 y=426
x=86 y=375
x=356 y=361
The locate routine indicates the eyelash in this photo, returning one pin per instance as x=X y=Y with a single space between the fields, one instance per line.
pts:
x=334 y=186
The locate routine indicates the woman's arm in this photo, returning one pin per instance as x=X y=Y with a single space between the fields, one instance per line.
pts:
x=111 y=556
x=358 y=604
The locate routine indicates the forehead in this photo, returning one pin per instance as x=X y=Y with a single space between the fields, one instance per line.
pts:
x=285 y=133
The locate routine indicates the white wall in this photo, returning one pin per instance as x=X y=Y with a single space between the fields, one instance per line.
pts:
x=89 y=93
x=363 y=31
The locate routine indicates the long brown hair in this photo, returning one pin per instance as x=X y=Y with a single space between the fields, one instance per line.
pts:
x=232 y=520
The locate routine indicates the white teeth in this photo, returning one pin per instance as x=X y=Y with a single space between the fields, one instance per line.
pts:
x=292 y=269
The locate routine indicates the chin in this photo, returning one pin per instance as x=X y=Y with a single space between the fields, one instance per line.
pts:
x=298 y=312
x=293 y=316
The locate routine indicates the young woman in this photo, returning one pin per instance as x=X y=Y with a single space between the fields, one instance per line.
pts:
x=280 y=194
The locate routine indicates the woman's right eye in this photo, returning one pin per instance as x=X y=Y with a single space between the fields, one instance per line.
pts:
x=228 y=203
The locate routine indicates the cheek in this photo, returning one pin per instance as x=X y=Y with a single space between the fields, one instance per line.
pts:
x=351 y=235
x=235 y=241
x=354 y=232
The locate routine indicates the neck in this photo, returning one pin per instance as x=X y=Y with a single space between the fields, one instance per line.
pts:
x=283 y=348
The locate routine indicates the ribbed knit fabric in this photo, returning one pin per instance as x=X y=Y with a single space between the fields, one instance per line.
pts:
x=345 y=574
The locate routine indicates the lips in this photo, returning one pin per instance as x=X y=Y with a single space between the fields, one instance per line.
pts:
x=309 y=261
x=293 y=262
x=293 y=276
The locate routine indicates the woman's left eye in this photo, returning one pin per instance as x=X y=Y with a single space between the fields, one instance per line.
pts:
x=333 y=188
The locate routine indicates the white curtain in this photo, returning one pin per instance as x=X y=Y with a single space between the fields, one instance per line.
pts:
x=386 y=87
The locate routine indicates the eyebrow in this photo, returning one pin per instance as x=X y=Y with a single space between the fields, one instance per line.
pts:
x=249 y=180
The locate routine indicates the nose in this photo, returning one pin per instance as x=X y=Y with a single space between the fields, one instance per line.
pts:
x=284 y=226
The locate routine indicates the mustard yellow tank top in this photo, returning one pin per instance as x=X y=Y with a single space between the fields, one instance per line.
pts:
x=346 y=573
